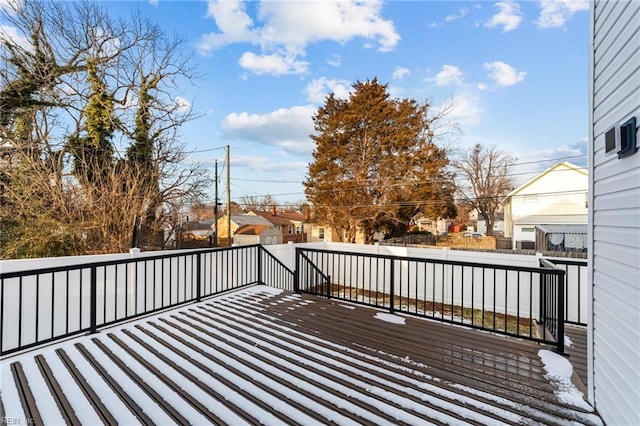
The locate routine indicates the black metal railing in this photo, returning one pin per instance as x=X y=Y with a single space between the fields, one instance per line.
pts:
x=552 y=303
x=43 y=305
x=311 y=275
x=575 y=297
x=502 y=299
x=274 y=273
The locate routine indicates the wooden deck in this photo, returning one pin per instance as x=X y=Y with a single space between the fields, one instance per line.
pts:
x=577 y=351
x=259 y=356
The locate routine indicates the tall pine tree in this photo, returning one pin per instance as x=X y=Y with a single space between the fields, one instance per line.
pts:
x=375 y=163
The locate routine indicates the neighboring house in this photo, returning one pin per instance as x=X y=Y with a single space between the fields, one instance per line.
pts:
x=557 y=196
x=237 y=221
x=200 y=228
x=498 y=224
x=257 y=234
x=291 y=224
x=614 y=212
x=431 y=225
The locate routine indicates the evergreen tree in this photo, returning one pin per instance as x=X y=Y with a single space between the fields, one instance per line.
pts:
x=374 y=161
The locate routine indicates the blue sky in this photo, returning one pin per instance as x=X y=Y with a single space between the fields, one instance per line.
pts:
x=514 y=73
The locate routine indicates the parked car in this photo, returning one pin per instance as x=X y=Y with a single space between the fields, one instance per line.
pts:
x=472 y=234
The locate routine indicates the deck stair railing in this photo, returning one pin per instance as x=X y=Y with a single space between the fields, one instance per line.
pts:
x=39 y=306
x=311 y=275
x=525 y=302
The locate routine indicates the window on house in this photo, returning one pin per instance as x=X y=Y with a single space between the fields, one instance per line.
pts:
x=299 y=229
x=290 y=230
x=528 y=229
x=321 y=233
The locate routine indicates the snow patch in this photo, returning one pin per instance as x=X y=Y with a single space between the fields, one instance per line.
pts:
x=390 y=318
x=347 y=306
x=559 y=371
x=568 y=343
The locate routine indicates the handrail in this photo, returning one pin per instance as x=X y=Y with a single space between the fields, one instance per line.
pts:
x=58 y=302
x=504 y=299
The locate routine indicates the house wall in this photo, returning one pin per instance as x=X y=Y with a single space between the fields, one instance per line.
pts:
x=562 y=191
x=614 y=212
x=498 y=226
x=560 y=195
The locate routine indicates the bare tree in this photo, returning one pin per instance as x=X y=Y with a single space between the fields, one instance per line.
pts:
x=257 y=203
x=77 y=85
x=484 y=179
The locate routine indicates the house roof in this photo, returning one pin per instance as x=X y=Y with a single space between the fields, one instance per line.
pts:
x=551 y=220
x=542 y=174
x=260 y=355
x=245 y=219
x=252 y=229
x=563 y=229
x=281 y=218
x=199 y=225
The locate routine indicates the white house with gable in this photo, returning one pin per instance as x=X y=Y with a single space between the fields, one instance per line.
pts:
x=614 y=211
x=557 y=196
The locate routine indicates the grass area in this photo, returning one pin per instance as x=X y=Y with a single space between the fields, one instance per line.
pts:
x=485 y=319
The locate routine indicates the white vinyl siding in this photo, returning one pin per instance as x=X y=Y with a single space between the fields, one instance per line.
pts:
x=615 y=215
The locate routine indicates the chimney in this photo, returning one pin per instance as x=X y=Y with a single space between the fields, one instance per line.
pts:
x=305 y=212
x=273 y=211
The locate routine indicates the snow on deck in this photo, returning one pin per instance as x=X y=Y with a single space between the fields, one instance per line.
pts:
x=259 y=355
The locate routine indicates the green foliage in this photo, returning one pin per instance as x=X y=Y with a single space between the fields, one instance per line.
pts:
x=92 y=151
x=375 y=164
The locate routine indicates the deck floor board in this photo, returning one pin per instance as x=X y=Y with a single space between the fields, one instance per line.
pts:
x=259 y=355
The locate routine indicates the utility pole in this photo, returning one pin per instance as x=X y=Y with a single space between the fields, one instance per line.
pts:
x=215 y=208
x=228 y=198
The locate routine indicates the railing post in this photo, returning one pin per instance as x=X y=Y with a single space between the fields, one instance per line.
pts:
x=93 y=308
x=392 y=287
x=328 y=286
x=296 y=278
x=198 y=276
x=560 y=332
x=260 y=248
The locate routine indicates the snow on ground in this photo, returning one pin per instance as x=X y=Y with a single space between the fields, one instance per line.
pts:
x=390 y=318
x=301 y=361
x=559 y=371
x=568 y=342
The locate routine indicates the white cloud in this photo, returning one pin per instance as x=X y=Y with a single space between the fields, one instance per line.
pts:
x=318 y=89
x=291 y=26
x=153 y=2
x=234 y=23
x=9 y=6
x=504 y=74
x=450 y=75
x=482 y=86
x=555 y=13
x=575 y=153
x=508 y=16
x=334 y=60
x=276 y=64
x=182 y=104
x=400 y=72
x=266 y=164
x=461 y=14
x=11 y=33
x=286 y=128
x=465 y=110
